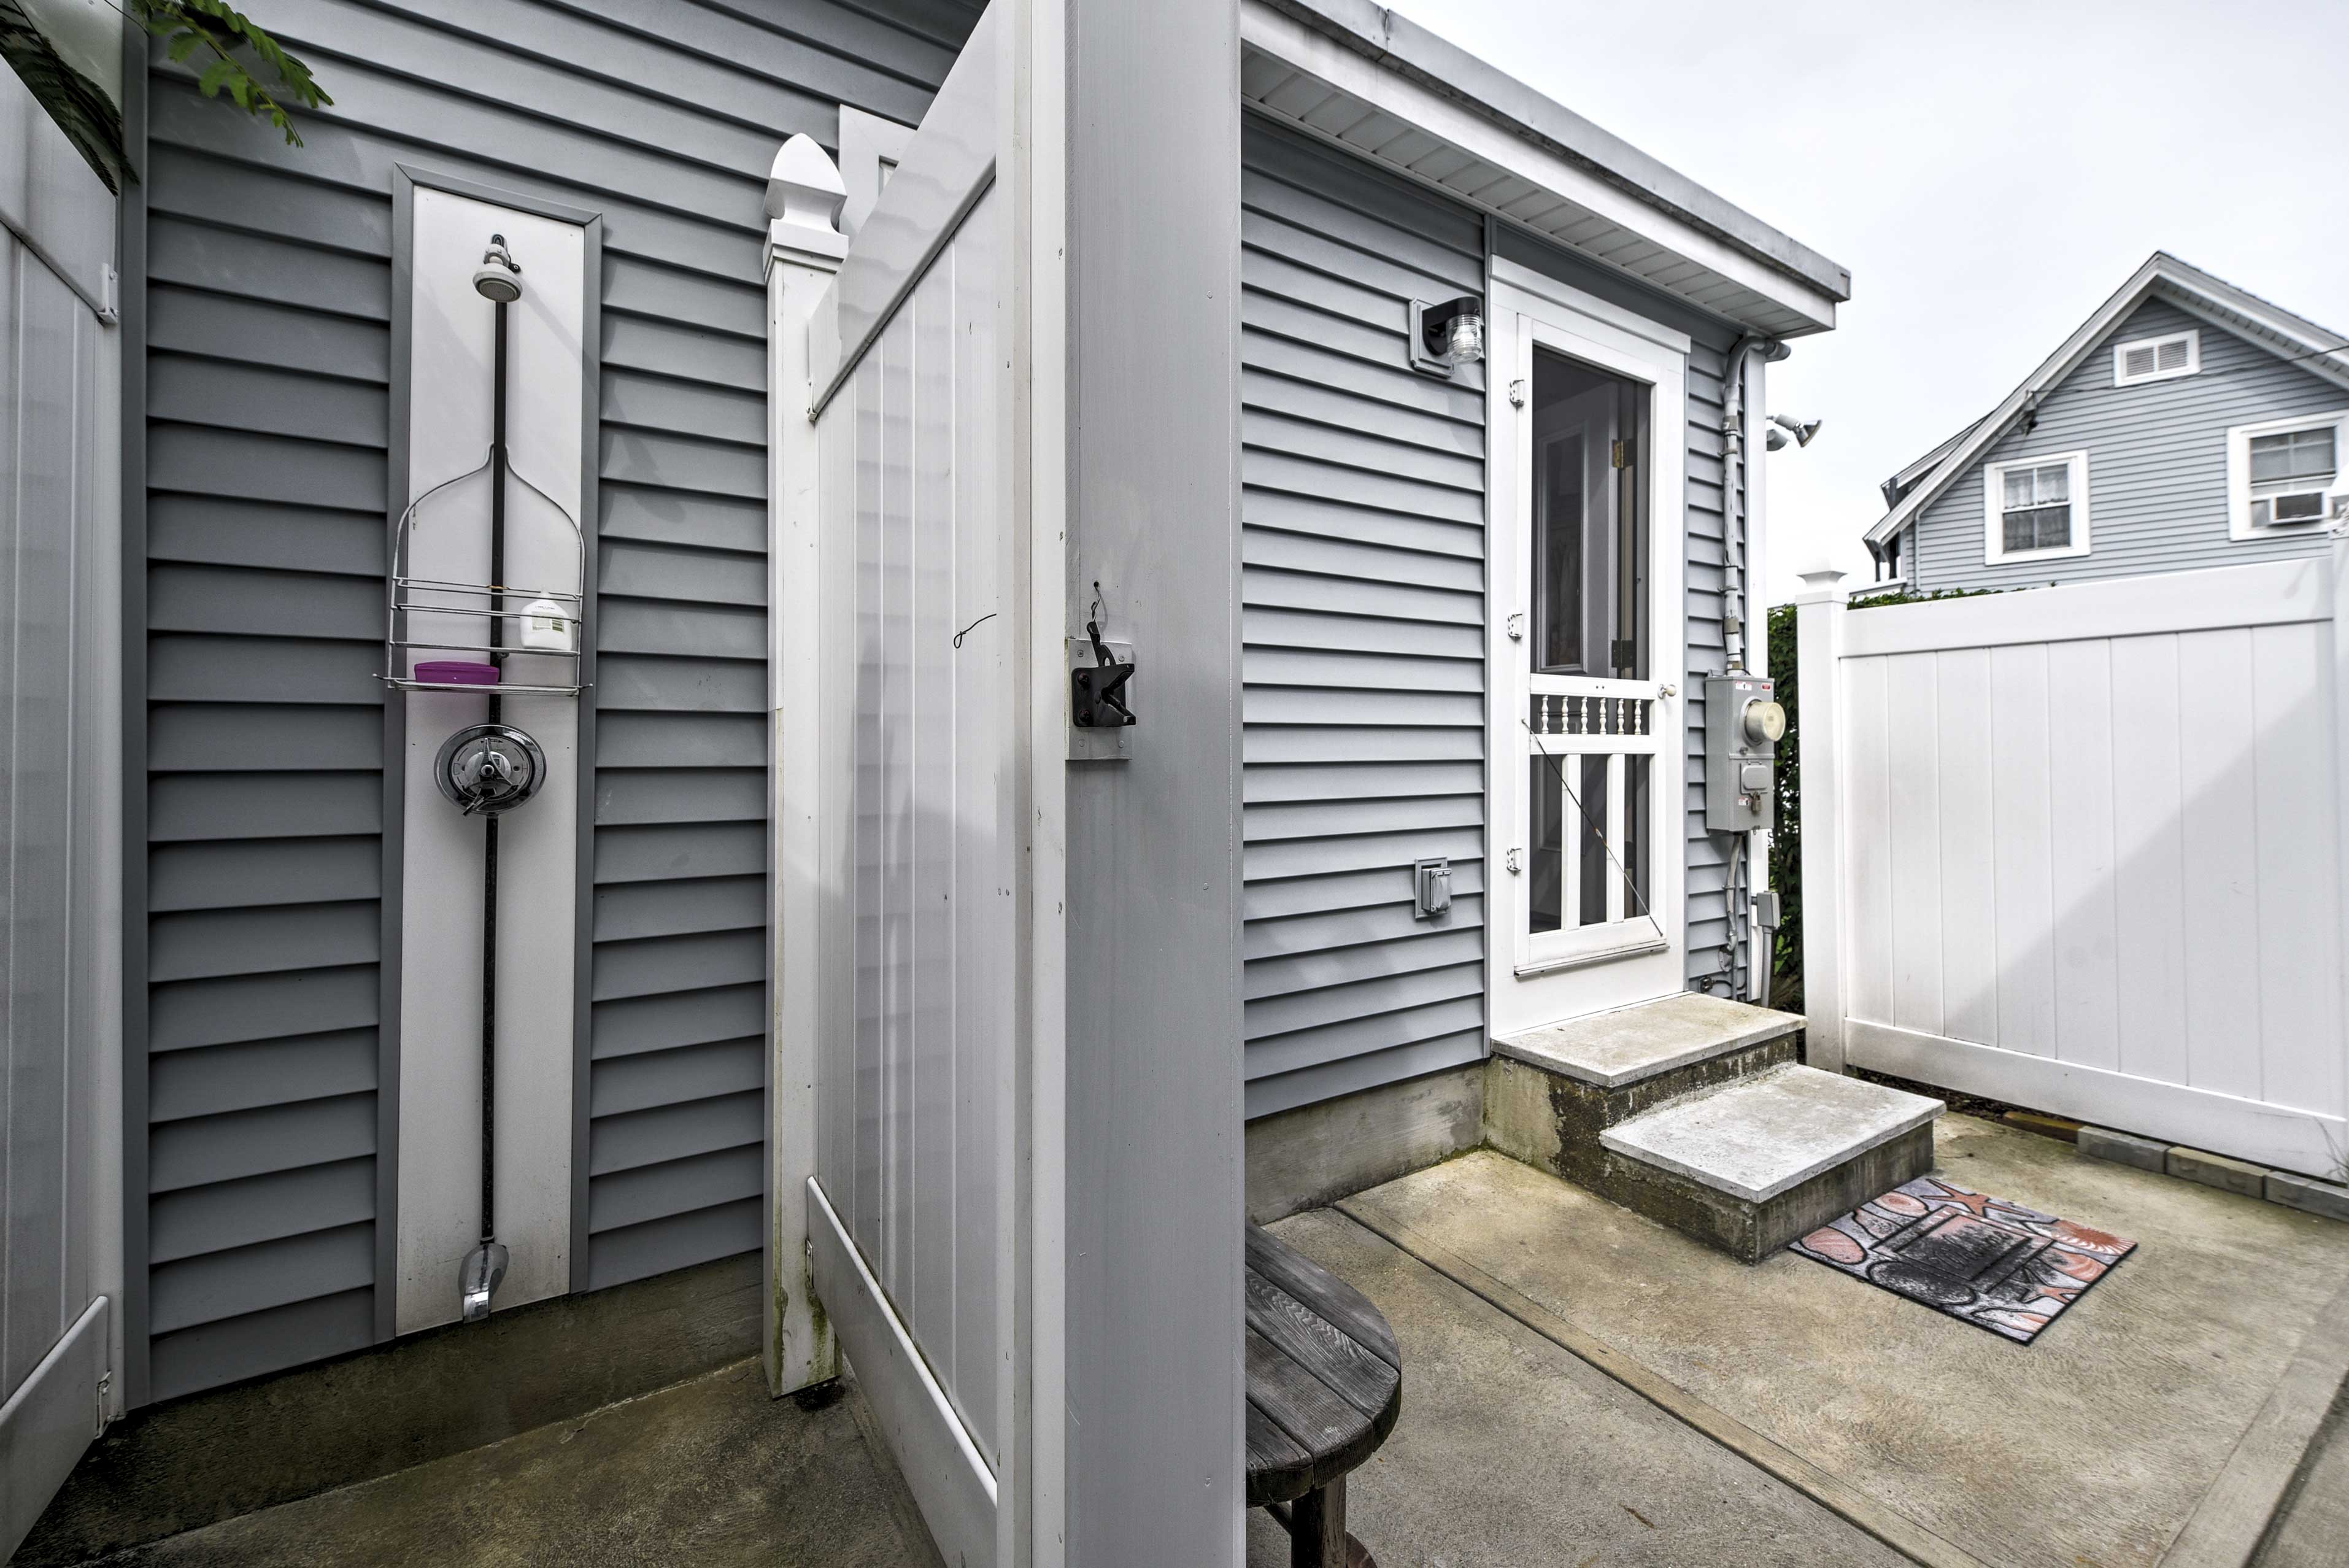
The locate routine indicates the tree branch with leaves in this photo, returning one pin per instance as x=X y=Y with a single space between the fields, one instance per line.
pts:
x=240 y=60
x=208 y=27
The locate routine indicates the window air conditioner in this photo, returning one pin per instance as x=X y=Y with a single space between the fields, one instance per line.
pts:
x=2298 y=507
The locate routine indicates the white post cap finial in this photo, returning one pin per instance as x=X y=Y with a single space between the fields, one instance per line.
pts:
x=804 y=193
x=1821 y=585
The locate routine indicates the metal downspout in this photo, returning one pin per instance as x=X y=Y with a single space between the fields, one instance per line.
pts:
x=1736 y=463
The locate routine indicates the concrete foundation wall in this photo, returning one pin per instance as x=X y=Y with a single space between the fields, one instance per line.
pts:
x=1317 y=1154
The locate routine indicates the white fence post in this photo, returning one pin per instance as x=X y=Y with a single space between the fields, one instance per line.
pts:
x=1819 y=630
x=804 y=250
x=2339 y=584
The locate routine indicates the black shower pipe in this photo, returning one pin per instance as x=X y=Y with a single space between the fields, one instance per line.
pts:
x=498 y=464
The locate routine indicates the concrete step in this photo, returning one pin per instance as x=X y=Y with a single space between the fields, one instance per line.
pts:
x=1750 y=1166
x=1632 y=1045
x=1693 y=1111
x=1549 y=1092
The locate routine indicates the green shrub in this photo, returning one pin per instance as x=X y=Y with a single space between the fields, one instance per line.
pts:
x=1787 y=842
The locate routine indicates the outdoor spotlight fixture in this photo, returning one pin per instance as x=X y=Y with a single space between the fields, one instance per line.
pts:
x=1798 y=430
x=1447 y=335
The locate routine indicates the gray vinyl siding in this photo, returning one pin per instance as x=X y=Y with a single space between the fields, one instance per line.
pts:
x=2157 y=463
x=267 y=419
x=1362 y=615
x=1362 y=512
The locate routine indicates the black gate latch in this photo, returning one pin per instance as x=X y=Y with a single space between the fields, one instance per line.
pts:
x=1100 y=692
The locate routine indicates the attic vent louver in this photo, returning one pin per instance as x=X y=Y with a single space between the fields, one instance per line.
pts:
x=2157 y=359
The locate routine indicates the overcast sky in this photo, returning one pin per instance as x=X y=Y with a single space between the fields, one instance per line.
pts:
x=1989 y=173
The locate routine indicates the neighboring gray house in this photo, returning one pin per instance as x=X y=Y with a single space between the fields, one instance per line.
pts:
x=2187 y=423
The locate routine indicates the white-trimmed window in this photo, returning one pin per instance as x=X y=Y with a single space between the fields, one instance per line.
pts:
x=2035 y=507
x=2286 y=475
x=2162 y=359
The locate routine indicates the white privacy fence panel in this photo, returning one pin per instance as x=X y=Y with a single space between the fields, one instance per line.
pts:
x=2081 y=848
x=910 y=1069
x=60 y=996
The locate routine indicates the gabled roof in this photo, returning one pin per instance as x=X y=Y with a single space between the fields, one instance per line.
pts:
x=2322 y=351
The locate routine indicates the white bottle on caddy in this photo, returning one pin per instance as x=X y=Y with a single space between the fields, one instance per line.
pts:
x=545 y=626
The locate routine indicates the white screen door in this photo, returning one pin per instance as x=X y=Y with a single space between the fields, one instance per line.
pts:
x=920 y=811
x=1586 y=731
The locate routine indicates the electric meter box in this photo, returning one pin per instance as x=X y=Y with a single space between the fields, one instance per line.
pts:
x=1743 y=725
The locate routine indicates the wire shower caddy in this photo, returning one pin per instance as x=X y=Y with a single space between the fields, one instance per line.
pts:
x=400 y=588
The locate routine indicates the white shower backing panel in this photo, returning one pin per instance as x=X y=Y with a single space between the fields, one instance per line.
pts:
x=452 y=341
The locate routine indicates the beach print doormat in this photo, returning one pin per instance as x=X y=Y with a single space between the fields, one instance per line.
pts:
x=1995 y=1264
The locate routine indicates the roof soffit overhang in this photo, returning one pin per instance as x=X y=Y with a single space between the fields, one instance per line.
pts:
x=1360 y=77
x=2198 y=294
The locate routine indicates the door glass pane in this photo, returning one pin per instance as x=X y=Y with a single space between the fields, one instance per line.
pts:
x=1589 y=581
x=1568 y=819
x=1636 y=808
x=1560 y=526
x=1546 y=832
x=1593 y=869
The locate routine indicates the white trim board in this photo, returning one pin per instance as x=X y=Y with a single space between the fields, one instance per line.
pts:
x=951 y=1482
x=1507 y=274
x=2266 y=1134
x=1037 y=387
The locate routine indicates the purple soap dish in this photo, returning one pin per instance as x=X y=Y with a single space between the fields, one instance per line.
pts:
x=456 y=672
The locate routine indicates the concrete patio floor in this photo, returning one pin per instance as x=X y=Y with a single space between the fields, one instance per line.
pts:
x=2157 y=1421
x=711 y=1472
x=1582 y=1388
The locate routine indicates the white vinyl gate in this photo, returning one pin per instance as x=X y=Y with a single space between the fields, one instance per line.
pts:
x=2082 y=850
x=60 y=812
x=918 y=881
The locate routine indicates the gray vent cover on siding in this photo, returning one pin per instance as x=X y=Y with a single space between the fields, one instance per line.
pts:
x=268 y=348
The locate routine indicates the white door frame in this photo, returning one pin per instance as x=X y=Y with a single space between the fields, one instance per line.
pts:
x=1532 y=982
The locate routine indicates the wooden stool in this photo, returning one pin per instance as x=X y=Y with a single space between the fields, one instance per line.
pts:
x=1324 y=1388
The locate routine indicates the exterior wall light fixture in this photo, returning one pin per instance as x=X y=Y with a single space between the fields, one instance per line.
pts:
x=1447 y=335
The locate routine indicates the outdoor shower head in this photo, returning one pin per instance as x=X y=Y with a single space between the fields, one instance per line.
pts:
x=499 y=277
